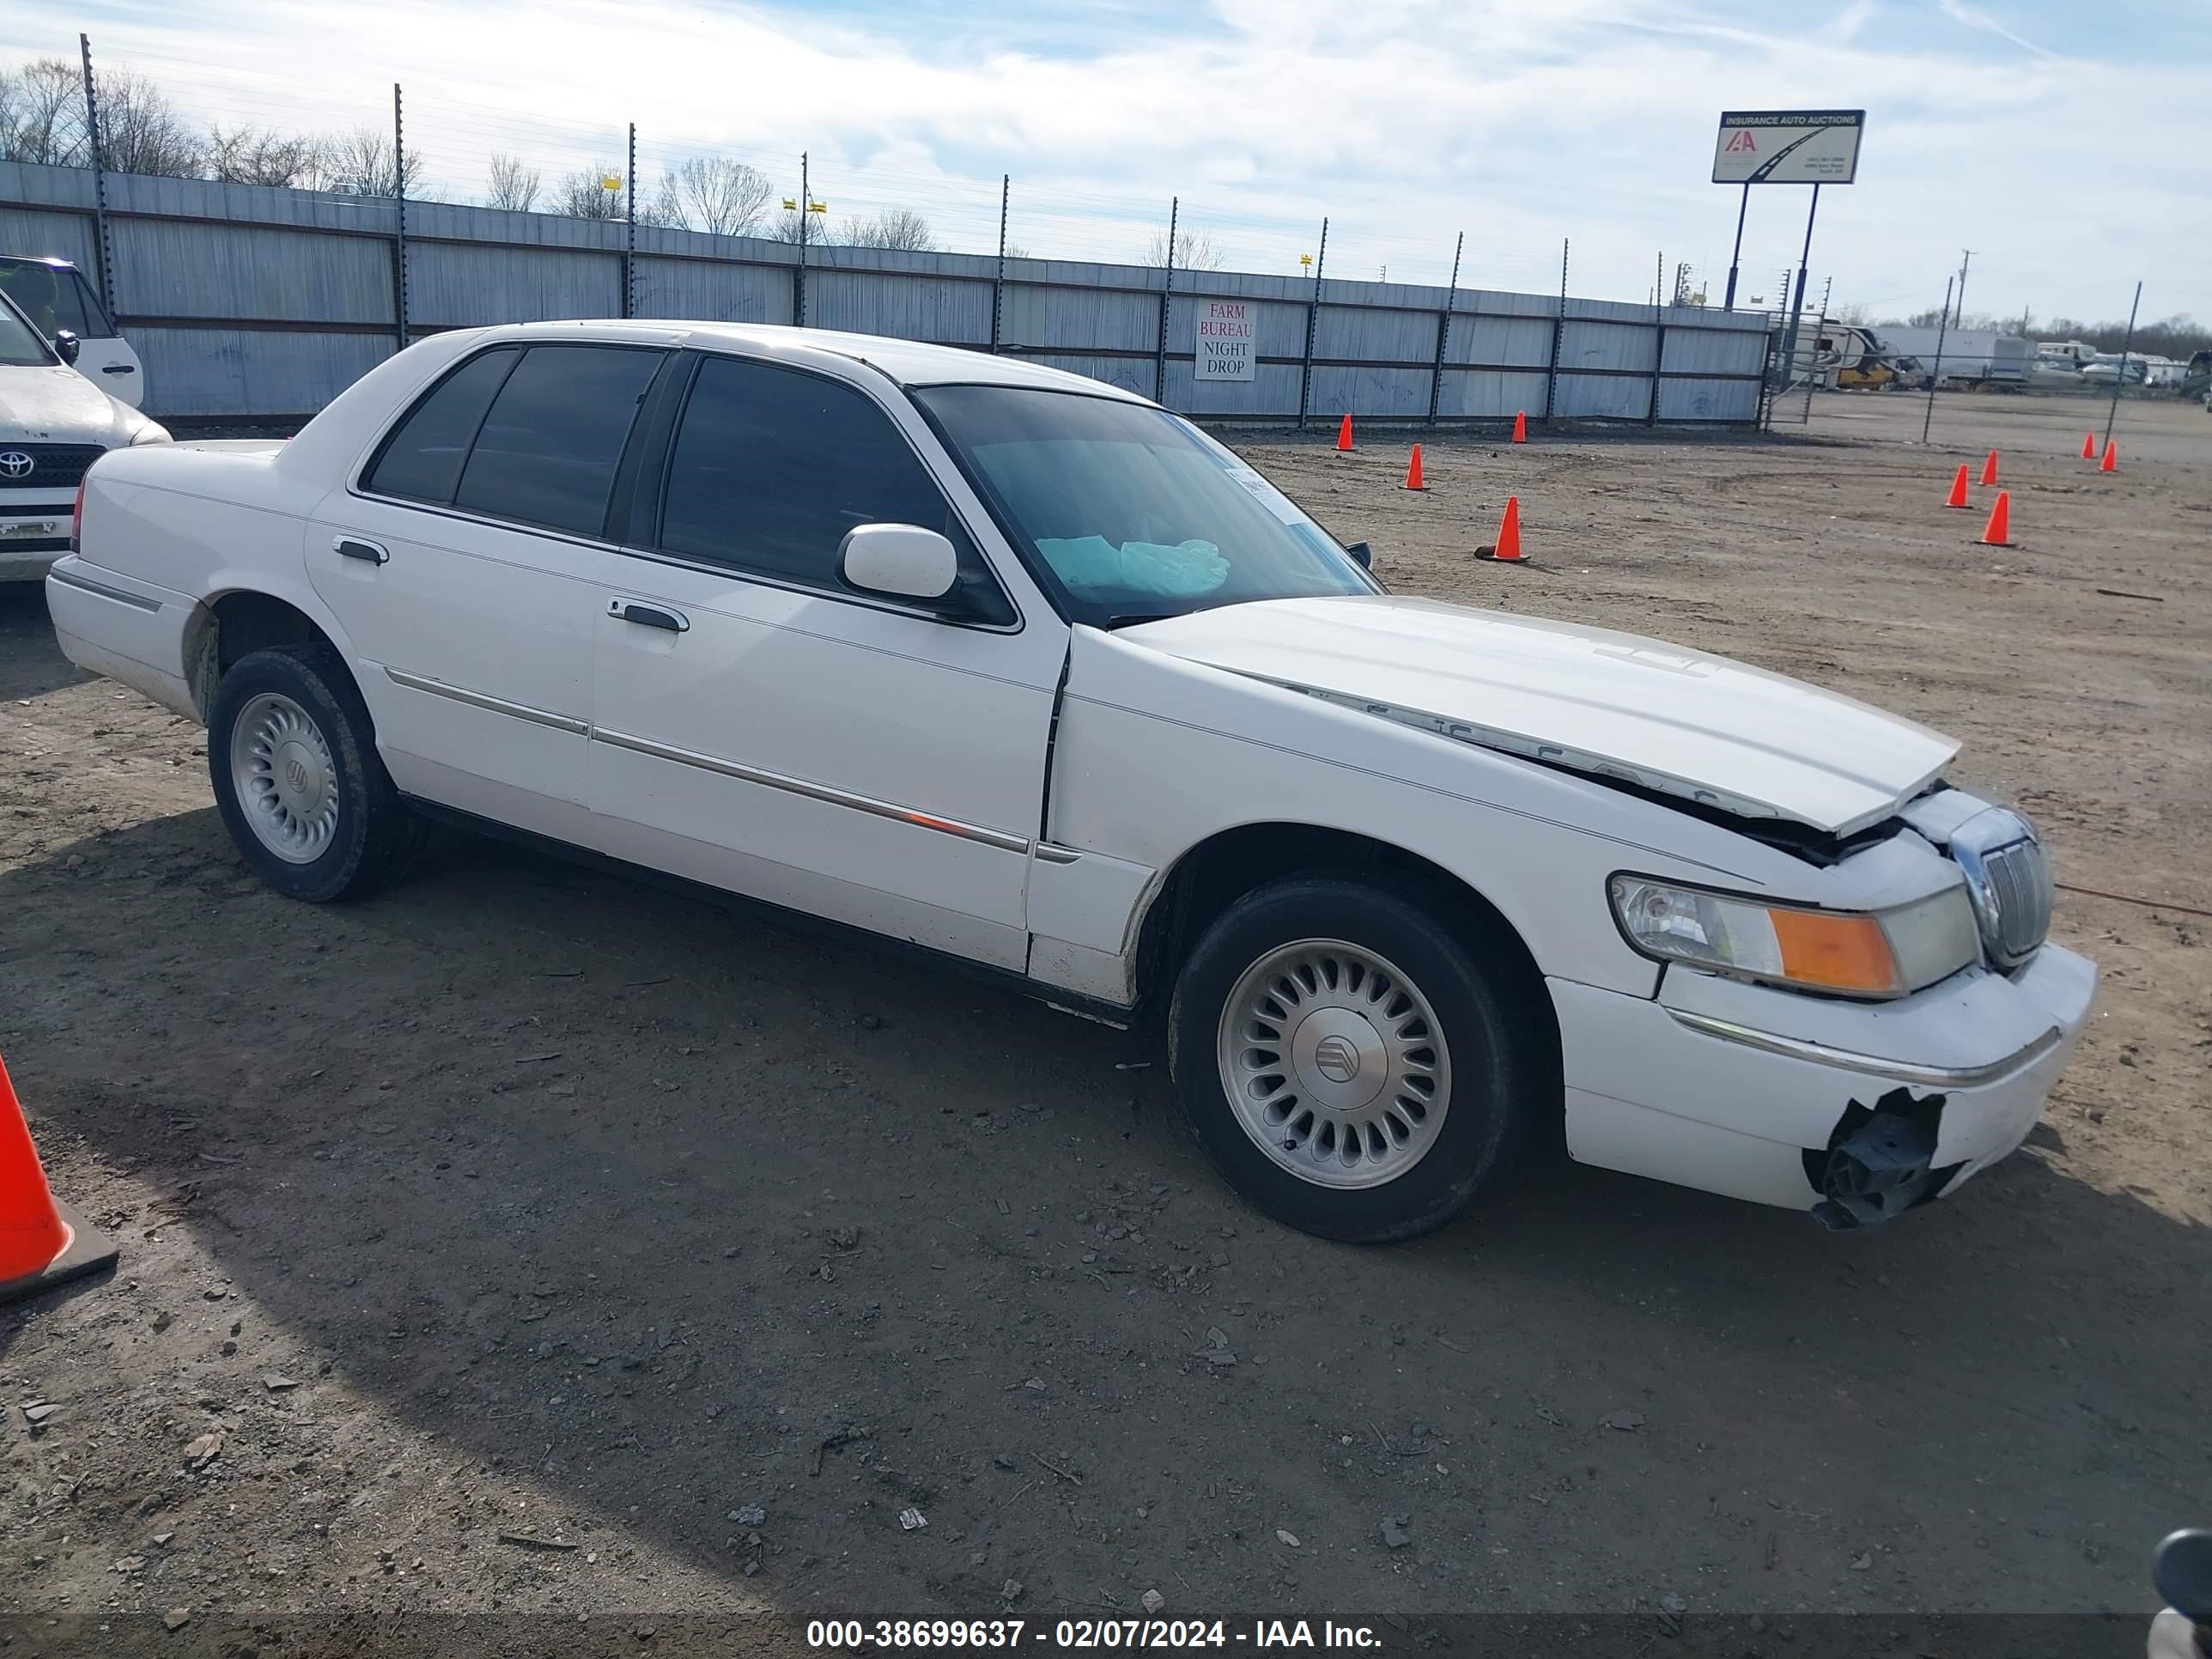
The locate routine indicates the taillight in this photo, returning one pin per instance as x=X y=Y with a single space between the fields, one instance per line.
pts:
x=76 y=517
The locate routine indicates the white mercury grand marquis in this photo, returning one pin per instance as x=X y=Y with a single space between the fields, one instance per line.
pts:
x=1025 y=673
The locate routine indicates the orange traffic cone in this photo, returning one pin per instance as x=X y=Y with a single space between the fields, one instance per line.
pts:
x=1521 y=426
x=1990 y=469
x=1508 y=548
x=1957 y=495
x=2111 y=461
x=42 y=1242
x=2089 y=445
x=1997 y=533
x=1414 y=470
x=1344 y=436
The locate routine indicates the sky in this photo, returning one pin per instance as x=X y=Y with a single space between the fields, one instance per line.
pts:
x=2069 y=145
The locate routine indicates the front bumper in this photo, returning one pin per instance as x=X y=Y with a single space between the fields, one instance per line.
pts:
x=1769 y=1095
x=33 y=535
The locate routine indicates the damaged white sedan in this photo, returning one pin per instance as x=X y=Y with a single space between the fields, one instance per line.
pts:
x=1024 y=672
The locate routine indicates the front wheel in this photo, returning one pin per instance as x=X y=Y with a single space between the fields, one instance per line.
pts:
x=1353 y=1067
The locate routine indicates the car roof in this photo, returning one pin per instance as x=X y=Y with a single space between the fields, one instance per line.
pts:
x=908 y=362
x=46 y=259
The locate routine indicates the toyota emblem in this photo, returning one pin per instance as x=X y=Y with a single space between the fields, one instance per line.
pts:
x=15 y=463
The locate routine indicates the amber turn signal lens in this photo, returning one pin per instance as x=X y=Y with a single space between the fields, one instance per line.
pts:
x=1845 y=953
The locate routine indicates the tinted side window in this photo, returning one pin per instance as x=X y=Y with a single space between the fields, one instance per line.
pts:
x=48 y=297
x=548 y=451
x=422 y=459
x=771 y=467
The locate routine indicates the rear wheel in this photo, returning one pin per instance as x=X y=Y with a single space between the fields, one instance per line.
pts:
x=297 y=778
x=1354 y=1067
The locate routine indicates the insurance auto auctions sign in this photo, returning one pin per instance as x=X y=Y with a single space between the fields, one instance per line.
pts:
x=1788 y=146
x=1224 y=340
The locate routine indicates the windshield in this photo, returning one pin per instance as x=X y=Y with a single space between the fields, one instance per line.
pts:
x=1135 y=513
x=20 y=344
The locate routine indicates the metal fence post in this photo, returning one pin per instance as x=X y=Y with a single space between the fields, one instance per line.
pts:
x=1559 y=337
x=1658 y=343
x=399 y=232
x=1313 y=323
x=999 y=282
x=630 y=232
x=2120 y=380
x=1443 y=329
x=1167 y=292
x=104 y=243
x=1813 y=358
x=1936 y=372
x=798 y=271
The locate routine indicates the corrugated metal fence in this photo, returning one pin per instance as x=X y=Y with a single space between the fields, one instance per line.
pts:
x=251 y=301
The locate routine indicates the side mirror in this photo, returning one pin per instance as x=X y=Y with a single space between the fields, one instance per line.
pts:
x=902 y=560
x=65 y=345
x=1362 y=554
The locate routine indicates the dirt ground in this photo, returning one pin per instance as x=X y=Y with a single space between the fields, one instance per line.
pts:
x=527 y=1242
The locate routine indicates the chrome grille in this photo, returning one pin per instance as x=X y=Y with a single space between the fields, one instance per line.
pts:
x=2008 y=879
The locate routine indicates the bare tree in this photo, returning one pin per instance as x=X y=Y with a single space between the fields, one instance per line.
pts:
x=583 y=194
x=359 y=163
x=713 y=193
x=1194 y=251
x=784 y=226
x=514 y=187
x=252 y=156
x=895 y=227
x=42 y=115
x=141 y=131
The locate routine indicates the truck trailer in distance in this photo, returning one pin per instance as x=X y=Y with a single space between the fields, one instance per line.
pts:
x=1973 y=358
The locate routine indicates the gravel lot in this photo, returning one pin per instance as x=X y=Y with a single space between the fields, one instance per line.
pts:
x=527 y=1242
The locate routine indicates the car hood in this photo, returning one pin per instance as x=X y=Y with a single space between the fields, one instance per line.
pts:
x=1661 y=716
x=60 y=405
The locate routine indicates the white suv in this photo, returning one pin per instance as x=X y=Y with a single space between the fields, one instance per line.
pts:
x=54 y=423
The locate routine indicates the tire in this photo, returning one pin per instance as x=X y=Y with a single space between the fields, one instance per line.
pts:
x=1406 y=1159
x=293 y=759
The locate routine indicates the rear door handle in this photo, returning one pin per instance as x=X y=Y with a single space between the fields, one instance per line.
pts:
x=119 y=368
x=352 y=547
x=649 y=616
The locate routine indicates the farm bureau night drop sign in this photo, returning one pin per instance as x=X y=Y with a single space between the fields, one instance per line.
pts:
x=1224 y=341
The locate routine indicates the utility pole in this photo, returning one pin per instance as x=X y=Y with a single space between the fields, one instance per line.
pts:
x=1967 y=255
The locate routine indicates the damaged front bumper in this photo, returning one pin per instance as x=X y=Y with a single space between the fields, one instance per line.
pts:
x=1855 y=1111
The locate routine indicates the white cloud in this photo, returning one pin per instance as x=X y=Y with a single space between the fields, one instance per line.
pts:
x=1521 y=121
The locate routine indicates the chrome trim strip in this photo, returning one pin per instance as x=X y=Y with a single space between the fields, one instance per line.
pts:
x=521 y=711
x=70 y=579
x=1947 y=1077
x=1052 y=854
x=821 y=792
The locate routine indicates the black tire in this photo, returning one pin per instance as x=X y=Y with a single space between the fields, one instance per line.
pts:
x=375 y=836
x=1503 y=1073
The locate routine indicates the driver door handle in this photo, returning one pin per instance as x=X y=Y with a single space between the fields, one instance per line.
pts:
x=119 y=368
x=649 y=616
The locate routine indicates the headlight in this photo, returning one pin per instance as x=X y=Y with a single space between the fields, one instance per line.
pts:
x=152 y=433
x=1857 y=953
